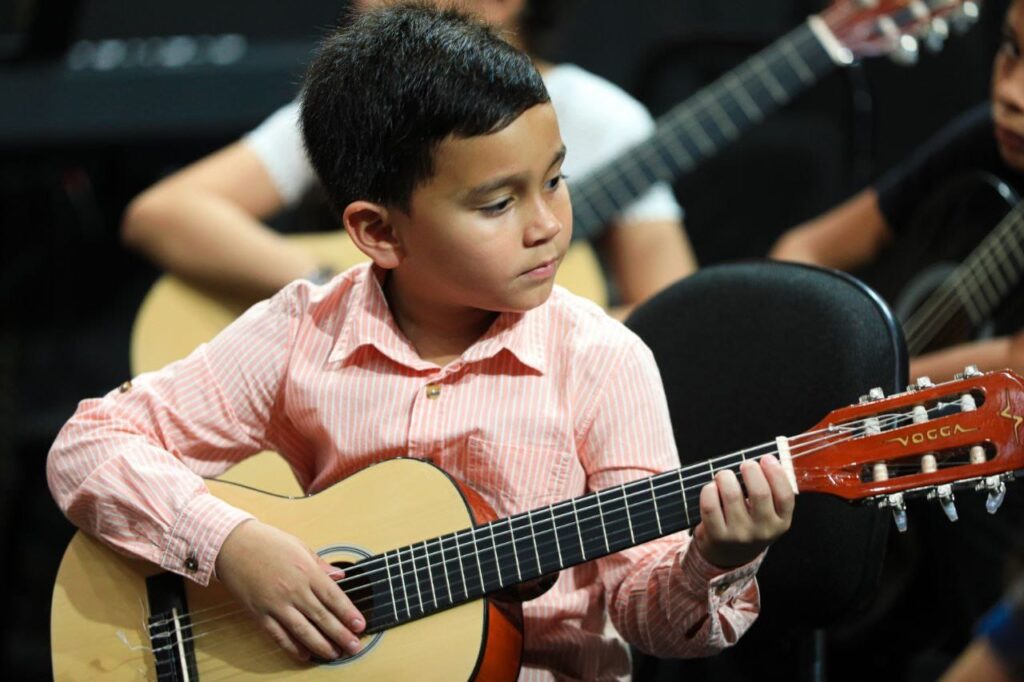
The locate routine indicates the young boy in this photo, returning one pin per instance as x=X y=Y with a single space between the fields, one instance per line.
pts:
x=442 y=156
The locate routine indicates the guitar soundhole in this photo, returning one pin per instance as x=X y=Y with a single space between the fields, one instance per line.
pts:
x=358 y=584
x=357 y=587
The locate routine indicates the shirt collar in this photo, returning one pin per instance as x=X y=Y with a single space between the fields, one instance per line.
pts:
x=369 y=323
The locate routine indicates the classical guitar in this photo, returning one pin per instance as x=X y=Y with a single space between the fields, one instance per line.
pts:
x=427 y=562
x=176 y=317
x=949 y=302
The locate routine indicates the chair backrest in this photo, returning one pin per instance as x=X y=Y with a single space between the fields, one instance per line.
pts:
x=749 y=351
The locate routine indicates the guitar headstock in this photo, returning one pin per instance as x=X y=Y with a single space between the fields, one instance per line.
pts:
x=866 y=28
x=968 y=432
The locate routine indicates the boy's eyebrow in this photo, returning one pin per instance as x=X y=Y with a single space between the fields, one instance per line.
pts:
x=498 y=183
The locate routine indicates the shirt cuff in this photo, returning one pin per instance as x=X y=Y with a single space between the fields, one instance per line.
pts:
x=721 y=584
x=193 y=543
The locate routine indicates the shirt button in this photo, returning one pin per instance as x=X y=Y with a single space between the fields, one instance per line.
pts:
x=191 y=563
x=433 y=391
x=125 y=387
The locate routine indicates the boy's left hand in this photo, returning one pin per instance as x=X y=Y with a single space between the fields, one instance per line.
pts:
x=734 y=529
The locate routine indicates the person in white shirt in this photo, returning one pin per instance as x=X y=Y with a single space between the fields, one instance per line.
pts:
x=204 y=223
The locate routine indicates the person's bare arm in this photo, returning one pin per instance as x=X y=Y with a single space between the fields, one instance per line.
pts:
x=988 y=354
x=203 y=224
x=646 y=256
x=848 y=236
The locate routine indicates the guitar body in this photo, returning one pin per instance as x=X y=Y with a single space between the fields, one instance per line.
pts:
x=100 y=610
x=944 y=231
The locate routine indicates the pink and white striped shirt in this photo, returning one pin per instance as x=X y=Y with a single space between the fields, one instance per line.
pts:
x=547 y=405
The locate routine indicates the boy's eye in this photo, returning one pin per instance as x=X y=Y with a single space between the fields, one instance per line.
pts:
x=497 y=207
x=554 y=182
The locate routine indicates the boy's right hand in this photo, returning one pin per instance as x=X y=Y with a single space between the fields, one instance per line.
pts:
x=291 y=591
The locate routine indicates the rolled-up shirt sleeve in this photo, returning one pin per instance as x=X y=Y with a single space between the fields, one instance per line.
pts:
x=663 y=596
x=129 y=467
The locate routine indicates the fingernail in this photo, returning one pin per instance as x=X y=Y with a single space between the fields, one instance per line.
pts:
x=358 y=623
x=353 y=646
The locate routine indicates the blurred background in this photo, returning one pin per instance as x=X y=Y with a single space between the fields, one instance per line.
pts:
x=100 y=98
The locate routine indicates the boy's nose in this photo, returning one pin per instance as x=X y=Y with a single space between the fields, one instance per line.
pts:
x=544 y=225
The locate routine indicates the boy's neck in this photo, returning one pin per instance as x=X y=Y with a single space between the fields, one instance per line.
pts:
x=439 y=335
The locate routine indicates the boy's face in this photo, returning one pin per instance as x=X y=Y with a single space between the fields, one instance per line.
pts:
x=488 y=230
x=1008 y=90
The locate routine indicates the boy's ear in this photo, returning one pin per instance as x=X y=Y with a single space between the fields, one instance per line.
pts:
x=370 y=228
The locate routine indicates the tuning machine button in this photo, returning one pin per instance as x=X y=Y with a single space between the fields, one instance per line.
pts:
x=899 y=510
x=944 y=494
x=996 y=492
x=874 y=394
x=938 y=32
x=965 y=16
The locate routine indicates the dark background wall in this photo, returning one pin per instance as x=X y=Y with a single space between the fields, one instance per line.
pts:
x=98 y=99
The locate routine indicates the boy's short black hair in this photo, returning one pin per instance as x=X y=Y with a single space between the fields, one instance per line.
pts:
x=387 y=87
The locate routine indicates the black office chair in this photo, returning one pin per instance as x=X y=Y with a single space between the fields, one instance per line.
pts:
x=747 y=352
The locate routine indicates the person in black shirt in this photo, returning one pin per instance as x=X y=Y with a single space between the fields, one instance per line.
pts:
x=987 y=138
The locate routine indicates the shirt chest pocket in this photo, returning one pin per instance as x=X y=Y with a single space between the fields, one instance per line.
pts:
x=515 y=477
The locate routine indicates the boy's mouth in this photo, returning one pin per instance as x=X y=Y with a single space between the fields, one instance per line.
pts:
x=545 y=269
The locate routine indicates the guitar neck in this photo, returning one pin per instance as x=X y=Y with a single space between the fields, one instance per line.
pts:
x=699 y=127
x=417 y=580
x=978 y=285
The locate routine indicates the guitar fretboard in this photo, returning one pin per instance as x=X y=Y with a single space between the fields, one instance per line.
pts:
x=452 y=569
x=699 y=127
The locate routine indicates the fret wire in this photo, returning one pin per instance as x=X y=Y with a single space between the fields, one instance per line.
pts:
x=654 y=496
x=515 y=552
x=600 y=516
x=394 y=606
x=444 y=571
x=494 y=548
x=536 y=552
x=799 y=67
x=579 y=531
x=554 y=531
x=629 y=517
x=682 y=486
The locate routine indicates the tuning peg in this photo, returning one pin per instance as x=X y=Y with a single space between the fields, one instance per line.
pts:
x=899 y=510
x=874 y=394
x=969 y=372
x=965 y=16
x=944 y=494
x=921 y=383
x=938 y=32
x=906 y=51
